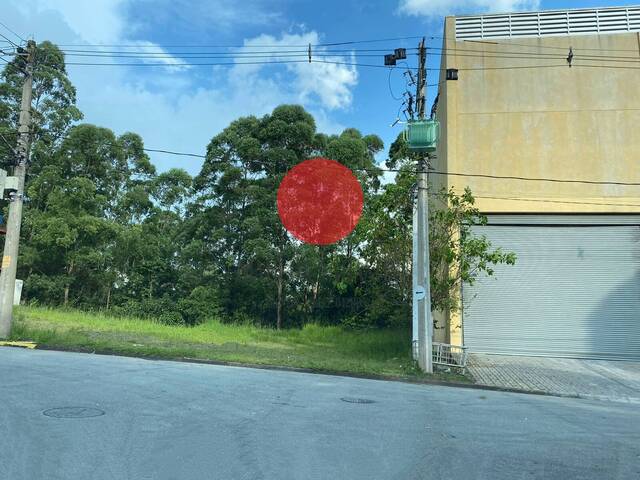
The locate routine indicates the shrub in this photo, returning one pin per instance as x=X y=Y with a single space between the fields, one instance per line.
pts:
x=201 y=304
x=153 y=308
x=171 y=318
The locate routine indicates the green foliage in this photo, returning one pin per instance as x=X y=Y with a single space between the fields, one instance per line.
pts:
x=458 y=256
x=103 y=230
x=162 y=309
x=201 y=305
x=321 y=348
x=266 y=274
x=171 y=318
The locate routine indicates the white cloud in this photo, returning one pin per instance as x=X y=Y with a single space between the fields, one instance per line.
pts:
x=436 y=8
x=154 y=54
x=94 y=21
x=327 y=83
x=176 y=108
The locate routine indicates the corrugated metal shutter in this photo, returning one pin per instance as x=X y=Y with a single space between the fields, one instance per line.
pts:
x=574 y=291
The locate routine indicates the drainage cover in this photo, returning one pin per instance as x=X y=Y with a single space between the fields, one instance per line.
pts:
x=356 y=400
x=73 y=412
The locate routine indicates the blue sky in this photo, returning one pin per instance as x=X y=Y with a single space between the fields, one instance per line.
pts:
x=182 y=108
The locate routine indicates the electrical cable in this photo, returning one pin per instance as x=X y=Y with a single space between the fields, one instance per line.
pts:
x=550 y=47
x=178 y=64
x=227 y=56
x=8 y=144
x=535 y=179
x=557 y=201
x=232 y=53
x=379 y=170
x=526 y=56
x=11 y=42
x=98 y=45
x=434 y=172
x=325 y=52
x=390 y=89
x=169 y=152
x=536 y=54
x=21 y=39
x=475 y=175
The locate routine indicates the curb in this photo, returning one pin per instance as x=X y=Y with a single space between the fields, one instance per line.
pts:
x=335 y=373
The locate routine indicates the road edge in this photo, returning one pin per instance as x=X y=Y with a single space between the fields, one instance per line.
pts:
x=283 y=368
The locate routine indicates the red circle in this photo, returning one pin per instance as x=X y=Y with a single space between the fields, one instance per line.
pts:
x=320 y=201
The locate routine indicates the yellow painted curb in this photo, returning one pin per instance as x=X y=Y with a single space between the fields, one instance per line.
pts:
x=18 y=344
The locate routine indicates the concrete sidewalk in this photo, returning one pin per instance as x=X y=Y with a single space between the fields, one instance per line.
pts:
x=595 y=379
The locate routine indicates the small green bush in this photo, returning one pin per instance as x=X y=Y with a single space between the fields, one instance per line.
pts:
x=152 y=308
x=171 y=318
x=201 y=305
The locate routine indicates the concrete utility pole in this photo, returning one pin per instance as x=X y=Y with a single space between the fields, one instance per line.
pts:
x=422 y=294
x=12 y=239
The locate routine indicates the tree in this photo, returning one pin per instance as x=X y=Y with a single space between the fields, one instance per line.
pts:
x=234 y=221
x=456 y=254
x=102 y=229
x=53 y=105
x=84 y=204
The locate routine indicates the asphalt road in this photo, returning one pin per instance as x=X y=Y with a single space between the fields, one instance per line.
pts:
x=169 y=420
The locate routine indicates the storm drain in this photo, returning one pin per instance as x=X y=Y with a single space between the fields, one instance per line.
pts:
x=73 y=412
x=357 y=400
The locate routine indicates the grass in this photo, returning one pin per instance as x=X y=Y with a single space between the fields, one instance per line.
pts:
x=315 y=347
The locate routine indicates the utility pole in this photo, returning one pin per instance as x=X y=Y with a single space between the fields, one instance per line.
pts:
x=422 y=294
x=12 y=239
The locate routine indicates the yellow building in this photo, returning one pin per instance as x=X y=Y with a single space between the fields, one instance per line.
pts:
x=547 y=95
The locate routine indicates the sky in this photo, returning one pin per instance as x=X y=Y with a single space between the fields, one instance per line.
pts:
x=181 y=108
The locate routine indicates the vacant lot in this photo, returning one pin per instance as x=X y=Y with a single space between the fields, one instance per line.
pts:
x=315 y=347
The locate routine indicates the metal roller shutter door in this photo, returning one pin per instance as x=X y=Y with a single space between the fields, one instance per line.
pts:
x=574 y=292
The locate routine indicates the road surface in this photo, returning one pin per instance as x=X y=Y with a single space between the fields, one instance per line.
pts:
x=169 y=420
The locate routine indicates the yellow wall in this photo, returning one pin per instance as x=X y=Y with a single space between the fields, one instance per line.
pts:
x=553 y=122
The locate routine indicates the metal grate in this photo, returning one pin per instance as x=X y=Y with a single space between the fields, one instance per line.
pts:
x=547 y=23
x=450 y=355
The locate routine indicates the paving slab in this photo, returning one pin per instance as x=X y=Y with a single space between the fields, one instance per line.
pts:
x=596 y=379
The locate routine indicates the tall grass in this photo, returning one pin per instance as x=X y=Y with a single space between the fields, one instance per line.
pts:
x=313 y=346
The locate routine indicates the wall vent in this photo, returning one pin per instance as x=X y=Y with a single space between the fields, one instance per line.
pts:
x=547 y=23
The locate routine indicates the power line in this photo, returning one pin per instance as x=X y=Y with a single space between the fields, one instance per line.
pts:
x=468 y=69
x=183 y=64
x=306 y=45
x=550 y=47
x=557 y=201
x=169 y=152
x=223 y=55
x=379 y=170
x=8 y=40
x=535 y=179
x=391 y=89
x=273 y=58
x=535 y=54
x=22 y=39
x=332 y=53
x=236 y=52
x=436 y=172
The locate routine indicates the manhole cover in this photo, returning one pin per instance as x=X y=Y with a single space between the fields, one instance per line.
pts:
x=73 y=412
x=356 y=400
